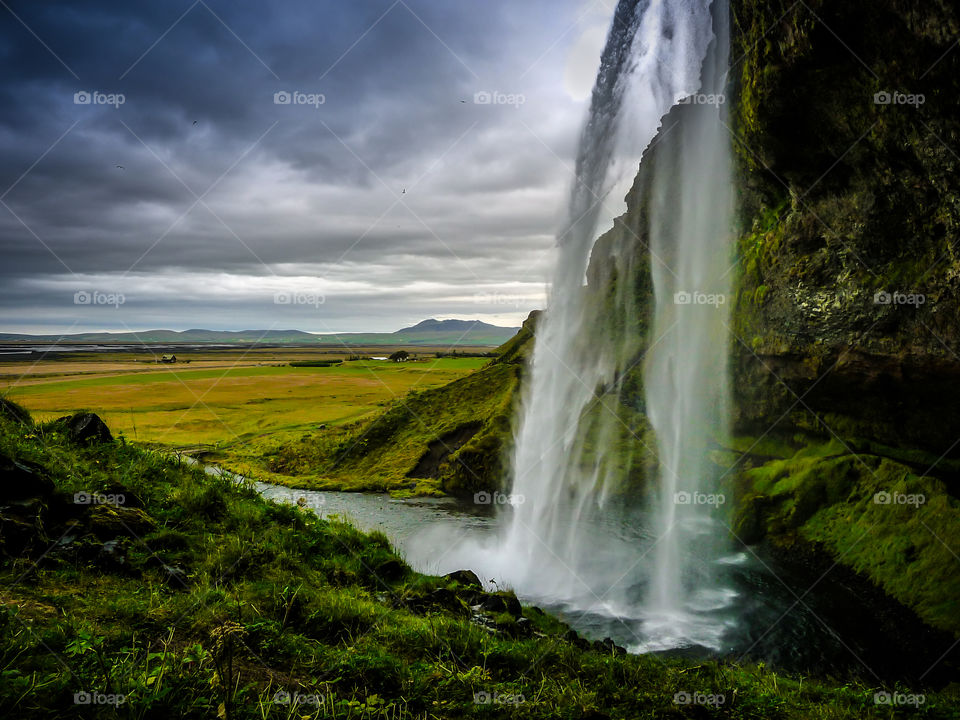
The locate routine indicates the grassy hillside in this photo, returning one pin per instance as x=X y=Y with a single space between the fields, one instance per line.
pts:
x=453 y=438
x=176 y=594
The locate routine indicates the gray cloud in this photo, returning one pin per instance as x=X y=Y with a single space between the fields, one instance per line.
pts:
x=291 y=194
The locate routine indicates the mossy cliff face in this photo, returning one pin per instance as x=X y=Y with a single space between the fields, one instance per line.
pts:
x=846 y=327
x=846 y=316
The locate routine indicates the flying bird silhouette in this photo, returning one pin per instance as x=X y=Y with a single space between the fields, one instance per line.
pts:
x=194 y=122
x=121 y=167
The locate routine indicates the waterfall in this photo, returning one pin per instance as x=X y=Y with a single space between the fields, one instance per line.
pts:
x=686 y=378
x=567 y=541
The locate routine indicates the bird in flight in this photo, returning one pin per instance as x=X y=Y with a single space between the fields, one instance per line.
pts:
x=194 y=122
x=121 y=167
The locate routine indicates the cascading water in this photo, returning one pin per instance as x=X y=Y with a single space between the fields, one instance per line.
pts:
x=657 y=53
x=583 y=431
x=686 y=379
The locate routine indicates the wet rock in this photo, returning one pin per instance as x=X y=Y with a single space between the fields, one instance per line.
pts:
x=84 y=428
x=495 y=603
x=608 y=646
x=464 y=578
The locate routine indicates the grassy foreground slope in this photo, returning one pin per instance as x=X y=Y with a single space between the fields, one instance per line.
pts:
x=452 y=438
x=176 y=594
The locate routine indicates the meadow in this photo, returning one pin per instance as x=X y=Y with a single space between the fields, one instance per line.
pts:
x=221 y=399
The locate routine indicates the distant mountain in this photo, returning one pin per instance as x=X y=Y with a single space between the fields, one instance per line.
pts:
x=455 y=326
x=434 y=333
x=429 y=333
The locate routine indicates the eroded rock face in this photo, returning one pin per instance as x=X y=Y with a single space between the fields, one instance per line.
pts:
x=847 y=308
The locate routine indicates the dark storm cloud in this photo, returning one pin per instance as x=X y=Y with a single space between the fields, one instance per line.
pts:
x=220 y=185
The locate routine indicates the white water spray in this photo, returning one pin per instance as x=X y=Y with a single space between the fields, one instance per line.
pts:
x=569 y=544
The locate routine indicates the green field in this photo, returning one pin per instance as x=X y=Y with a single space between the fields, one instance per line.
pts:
x=222 y=399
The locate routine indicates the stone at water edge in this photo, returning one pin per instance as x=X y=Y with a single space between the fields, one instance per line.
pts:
x=464 y=578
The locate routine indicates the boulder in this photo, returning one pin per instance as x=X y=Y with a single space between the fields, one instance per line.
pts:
x=20 y=482
x=84 y=428
x=464 y=578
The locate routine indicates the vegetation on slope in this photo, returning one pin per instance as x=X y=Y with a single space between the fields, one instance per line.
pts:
x=451 y=439
x=170 y=593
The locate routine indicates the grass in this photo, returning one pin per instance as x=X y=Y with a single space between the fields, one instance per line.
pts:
x=228 y=405
x=271 y=599
x=846 y=503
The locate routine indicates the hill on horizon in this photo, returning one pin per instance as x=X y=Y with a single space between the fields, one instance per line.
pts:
x=430 y=333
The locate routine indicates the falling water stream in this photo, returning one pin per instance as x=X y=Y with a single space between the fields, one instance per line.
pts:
x=569 y=538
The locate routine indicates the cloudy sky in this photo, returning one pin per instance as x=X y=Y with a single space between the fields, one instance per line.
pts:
x=312 y=164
